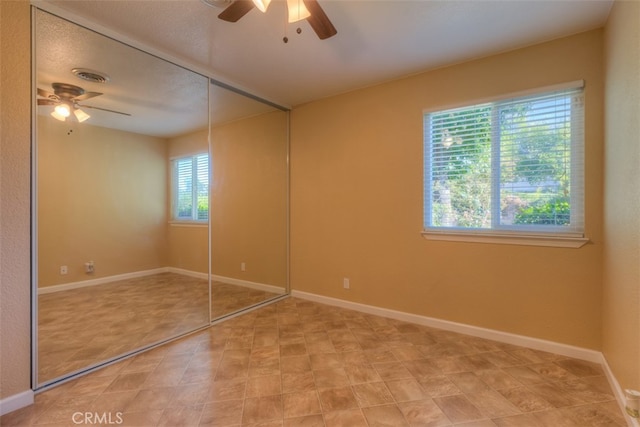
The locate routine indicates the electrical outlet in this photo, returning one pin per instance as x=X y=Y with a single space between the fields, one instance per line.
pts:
x=632 y=405
x=243 y=266
x=89 y=267
x=345 y=283
x=63 y=269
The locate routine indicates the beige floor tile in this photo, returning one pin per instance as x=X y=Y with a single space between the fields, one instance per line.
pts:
x=298 y=382
x=264 y=386
x=492 y=404
x=388 y=415
x=337 y=399
x=226 y=413
x=258 y=370
x=137 y=419
x=525 y=400
x=392 y=371
x=458 y=408
x=521 y=420
x=424 y=413
x=358 y=374
x=406 y=390
x=306 y=421
x=130 y=381
x=330 y=378
x=227 y=390
x=372 y=394
x=184 y=416
x=349 y=418
x=301 y=404
x=261 y=409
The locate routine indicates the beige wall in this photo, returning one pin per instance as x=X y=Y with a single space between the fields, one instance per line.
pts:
x=188 y=243
x=15 y=84
x=102 y=197
x=249 y=199
x=357 y=204
x=357 y=210
x=621 y=295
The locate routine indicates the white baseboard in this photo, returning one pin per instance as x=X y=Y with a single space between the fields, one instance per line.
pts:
x=189 y=273
x=137 y=274
x=101 y=280
x=247 y=284
x=491 y=334
x=617 y=390
x=15 y=402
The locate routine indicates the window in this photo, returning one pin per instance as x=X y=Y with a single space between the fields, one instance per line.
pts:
x=190 y=188
x=512 y=167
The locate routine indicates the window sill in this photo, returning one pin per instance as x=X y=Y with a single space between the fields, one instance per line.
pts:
x=509 y=239
x=188 y=223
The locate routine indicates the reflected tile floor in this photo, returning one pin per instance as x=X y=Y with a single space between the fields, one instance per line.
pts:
x=299 y=363
x=81 y=327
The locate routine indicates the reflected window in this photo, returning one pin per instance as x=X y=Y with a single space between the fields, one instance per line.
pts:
x=190 y=188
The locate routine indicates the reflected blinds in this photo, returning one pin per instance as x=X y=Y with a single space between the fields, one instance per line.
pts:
x=191 y=188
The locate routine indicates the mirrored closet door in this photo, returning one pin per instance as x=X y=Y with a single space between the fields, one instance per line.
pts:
x=249 y=200
x=121 y=180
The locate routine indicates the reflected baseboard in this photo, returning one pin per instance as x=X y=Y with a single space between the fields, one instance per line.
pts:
x=110 y=279
x=189 y=273
x=102 y=280
x=247 y=284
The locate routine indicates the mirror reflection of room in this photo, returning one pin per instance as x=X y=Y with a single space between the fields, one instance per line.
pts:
x=110 y=277
x=153 y=217
x=249 y=191
x=113 y=274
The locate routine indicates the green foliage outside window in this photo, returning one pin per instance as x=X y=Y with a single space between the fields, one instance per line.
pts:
x=532 y=144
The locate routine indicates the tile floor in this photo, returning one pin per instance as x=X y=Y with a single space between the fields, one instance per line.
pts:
x=299 y=363
x=84 y=326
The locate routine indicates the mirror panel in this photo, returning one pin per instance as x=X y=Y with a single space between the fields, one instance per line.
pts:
x=249 y=201
x=113 y=272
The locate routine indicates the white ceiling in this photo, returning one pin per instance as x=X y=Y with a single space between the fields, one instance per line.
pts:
x=377 y=40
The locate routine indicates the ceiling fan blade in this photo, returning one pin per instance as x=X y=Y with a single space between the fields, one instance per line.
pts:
x=46 y=94
x=86 y=96
x=319 y=20
x=103 y=109
x=47 y=102
x=236 y=10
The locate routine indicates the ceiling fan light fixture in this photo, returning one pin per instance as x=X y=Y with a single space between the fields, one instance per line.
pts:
x=80 y=115
x=61 y=112
x=57 y=116
x=262 y=5
x=297 y=10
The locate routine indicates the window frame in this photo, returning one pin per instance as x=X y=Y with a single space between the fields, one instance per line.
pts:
x=175 y=219
x=556 y=236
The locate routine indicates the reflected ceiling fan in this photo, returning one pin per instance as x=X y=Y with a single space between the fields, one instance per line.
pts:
x=66 y=97
x=298 y=10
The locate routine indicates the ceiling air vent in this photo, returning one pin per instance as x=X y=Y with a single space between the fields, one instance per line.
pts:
x=90 y=75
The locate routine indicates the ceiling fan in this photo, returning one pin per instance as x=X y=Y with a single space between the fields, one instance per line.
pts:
x=66 y=97
x=298 y=10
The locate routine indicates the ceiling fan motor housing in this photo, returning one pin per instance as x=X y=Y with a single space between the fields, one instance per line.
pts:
x=67 y=91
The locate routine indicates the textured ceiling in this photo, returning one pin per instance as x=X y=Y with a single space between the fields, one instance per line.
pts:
x=377 y=40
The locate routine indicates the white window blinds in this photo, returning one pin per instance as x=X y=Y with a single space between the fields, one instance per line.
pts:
x=191 y=188
x=515 y=165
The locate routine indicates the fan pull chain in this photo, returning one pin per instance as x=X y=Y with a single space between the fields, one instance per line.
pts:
x=285 y=39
